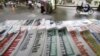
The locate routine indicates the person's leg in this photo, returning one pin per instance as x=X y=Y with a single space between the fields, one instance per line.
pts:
x=98 y=9
x=42 y=9
x=28 y=6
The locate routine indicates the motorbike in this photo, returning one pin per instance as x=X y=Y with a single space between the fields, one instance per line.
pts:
x=88 y=9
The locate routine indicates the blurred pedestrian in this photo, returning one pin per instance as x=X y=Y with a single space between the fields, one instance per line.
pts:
x=48 y=8
x=42 y=6
x=29 y=4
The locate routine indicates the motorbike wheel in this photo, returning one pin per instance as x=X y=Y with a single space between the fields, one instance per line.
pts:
x=91 y=11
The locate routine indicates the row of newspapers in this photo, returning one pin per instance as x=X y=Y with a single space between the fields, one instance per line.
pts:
x=46 y=37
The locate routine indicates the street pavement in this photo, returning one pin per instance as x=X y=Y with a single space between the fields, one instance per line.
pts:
x=61 y=13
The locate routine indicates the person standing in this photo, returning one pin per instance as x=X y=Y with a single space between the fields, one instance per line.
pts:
x=42 y=6
x=29 y=4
